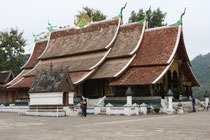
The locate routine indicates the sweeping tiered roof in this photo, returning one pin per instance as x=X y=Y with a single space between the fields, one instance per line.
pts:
x=21 y=82
x=123 y=51
x=128 y=54
x=81 y=51
x=155 y=57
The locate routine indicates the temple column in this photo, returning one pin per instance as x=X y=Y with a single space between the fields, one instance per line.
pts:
x=165 y=83
x=180 y=76
x=151 y=90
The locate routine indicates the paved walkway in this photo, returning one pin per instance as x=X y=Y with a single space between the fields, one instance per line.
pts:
x=191 y=126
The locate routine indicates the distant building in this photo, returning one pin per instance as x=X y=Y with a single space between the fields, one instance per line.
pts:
x=105 y=58
x=5 y=77
x=16 y=86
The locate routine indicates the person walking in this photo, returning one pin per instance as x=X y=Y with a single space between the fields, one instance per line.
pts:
x=82 y=107
x=193 y=104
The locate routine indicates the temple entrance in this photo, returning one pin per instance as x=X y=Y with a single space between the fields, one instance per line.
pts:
x=65 y=98
x=93 y=89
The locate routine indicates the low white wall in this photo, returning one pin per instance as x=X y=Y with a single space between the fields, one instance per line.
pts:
x=50 y=98
x=13 y=108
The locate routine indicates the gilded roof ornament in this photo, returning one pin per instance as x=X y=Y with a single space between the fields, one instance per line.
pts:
x=180 y=20
x=83 y=20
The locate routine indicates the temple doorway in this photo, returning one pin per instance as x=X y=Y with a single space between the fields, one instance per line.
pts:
x=65 y=98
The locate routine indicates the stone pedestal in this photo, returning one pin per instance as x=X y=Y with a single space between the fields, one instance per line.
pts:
x=71 y=98
x=127 y=110
x=136 y=106
x=97 y=109
x=129 y=100
x=170 y=109
x=207 y=101
x=180 y=109
x=108 y=108
x=143 y=108
x=67 y=110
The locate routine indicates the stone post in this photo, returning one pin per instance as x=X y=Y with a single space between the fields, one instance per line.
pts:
x=97 y=109
x=129 y=100
x=206 y=96
x=180 y=96
x=136 y=106
x=71 y=98
x=108 y=108
x=129 y=94
x=127 y=109
x=143 y=107
x=170 y=109
x=180 y=109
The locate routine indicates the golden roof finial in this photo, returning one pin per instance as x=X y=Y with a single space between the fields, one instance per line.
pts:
x=83 y=19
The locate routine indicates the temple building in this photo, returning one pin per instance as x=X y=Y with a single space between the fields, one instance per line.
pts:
x=5 y=77
x=105 y=58
x=17 y=87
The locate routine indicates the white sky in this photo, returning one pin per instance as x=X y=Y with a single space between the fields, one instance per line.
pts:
x=32 y=16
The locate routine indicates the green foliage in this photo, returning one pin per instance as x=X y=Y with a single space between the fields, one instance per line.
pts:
x=95 y=14
x=12 y=46
x=155 y=18
x=200 y=67
x=157 y=109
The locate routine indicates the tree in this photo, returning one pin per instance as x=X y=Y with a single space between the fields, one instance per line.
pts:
x=202 y=73
x=155 y=18
x=12 y=46
x=95 y=14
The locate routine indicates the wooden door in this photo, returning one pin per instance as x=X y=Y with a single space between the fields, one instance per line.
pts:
x=65 y=99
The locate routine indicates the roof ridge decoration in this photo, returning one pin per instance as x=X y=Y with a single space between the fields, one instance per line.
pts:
x=140 y=39
x=180 y=20
x=121 y=15
x=83 y=20
x=146 y=16
x=122 y=9
x=176 y=45
x=159 y=28
x=35 y=38
x=51 y=27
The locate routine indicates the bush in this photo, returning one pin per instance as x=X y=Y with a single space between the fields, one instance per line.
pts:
x=156 y=109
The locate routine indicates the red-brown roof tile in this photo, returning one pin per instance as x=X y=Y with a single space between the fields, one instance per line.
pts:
x=110 y=68
x=138 y=76
x=181 y=51
x=38 y=49
x=18 y=77
x=96 y=36
x=73 y=63
x=127 y=40
x=157 y=46
x=26 y=82
x=76 y=76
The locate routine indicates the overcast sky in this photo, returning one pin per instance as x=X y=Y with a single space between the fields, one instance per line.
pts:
x=32 y=16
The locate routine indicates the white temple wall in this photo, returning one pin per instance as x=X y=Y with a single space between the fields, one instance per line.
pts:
x=50 y=98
